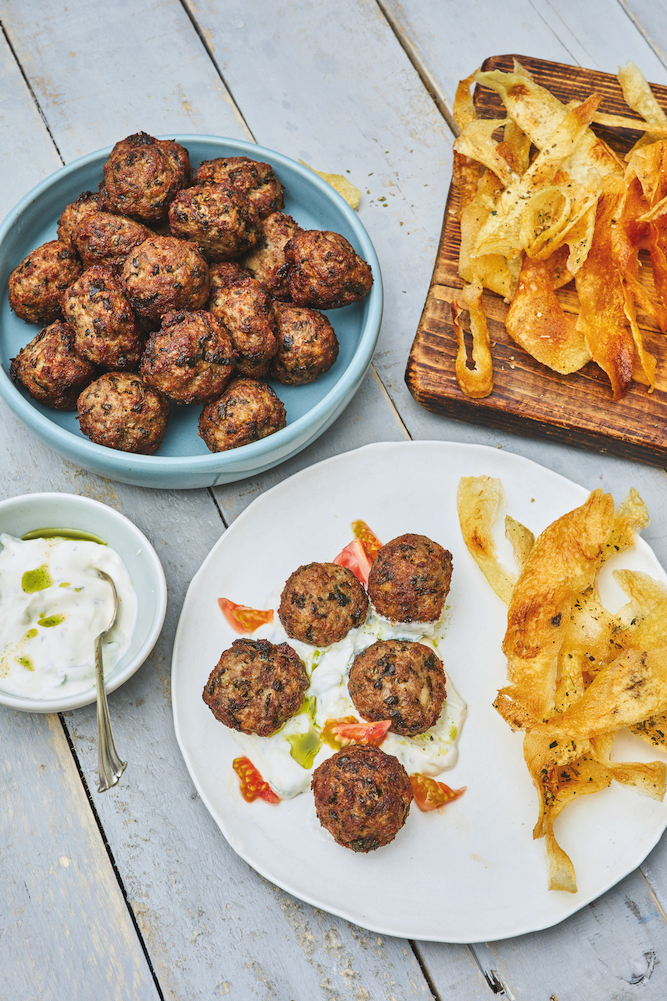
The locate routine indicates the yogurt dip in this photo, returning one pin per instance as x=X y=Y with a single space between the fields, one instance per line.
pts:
x=283 y=759
x=53 y=605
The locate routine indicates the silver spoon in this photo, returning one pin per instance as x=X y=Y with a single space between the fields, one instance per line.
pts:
x=109 y=766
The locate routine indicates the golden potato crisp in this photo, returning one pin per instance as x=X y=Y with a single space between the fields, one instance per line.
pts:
x=578 y=673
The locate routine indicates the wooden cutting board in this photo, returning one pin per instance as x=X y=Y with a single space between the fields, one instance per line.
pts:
x=529 y=398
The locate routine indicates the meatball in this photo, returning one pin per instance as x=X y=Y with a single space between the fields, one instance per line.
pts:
x=409 y=579
x=256 y=687
x=307 y=345
x=102 y=238
x=164 y=274
x=246 y=309
x=142 y=177
x=218 y=217
x=266 y=261
x=190 y=358
x=247 y=411
x=256 y=180
x=324 y=270
x=120 y=411
x=50 y=369
x=104 y=326
x=321 y=602
x=362 y=797
x=73 y=215
x=37 y=285
x=400 y=681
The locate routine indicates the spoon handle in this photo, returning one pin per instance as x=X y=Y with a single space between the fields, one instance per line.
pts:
x=109 y=766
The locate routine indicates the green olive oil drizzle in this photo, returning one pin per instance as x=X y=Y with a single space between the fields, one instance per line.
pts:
x=36 y=580
x=62 y=533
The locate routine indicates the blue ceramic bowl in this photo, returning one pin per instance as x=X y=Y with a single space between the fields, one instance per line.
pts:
x=183 y=461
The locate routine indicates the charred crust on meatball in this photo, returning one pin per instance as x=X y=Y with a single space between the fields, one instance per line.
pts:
x=409 y=579
x=247 y=310
x=36 y=286
x=307 y=345
x=190 y=358
x=73 y=215
x=103 y=238
x=164 y=274
x=400 y=681
x=256 y=686
x=99 y=312
x=142 y=177
x=219 y=218
x=255 y=179
x=246 y=411
x=362 y=797
x=266 y=261
x=321 y=602
x=325 y=271
x=50 y=369
x=119 y=410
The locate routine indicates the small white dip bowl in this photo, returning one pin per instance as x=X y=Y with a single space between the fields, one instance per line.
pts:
x=29 y=512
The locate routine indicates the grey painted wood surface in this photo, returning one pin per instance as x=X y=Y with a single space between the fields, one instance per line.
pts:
x=332 y=85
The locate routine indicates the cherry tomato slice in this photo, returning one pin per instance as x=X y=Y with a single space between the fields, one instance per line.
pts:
x=343 y=732
x=252 y=784
x=430 y=795
x=242 y=618
x=367 y=538
x=355 y=558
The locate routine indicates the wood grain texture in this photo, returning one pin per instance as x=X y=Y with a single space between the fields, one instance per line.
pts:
x=527 y=397
x=65 y=930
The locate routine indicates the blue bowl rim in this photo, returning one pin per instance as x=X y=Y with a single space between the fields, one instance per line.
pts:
x=117 y=461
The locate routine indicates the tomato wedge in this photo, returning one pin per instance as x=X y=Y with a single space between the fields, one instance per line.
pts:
x=242 y=618
x=343 y=732
x=355 y=558
x=367 y=538
x=431 y=795
x=252 y=784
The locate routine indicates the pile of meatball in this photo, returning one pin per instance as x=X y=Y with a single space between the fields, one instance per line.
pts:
x=167 y=288
x=362 y=794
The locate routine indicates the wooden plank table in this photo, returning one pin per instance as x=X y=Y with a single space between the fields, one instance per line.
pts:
x=134 y=894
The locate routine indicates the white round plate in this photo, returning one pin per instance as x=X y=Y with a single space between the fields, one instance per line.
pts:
x=472 y=871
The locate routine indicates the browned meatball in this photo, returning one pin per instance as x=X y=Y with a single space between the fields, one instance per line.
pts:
x=307 y=345
x=255 y=179
x=120 y=411
x=256 y=686
x=142 y=177
x=218 y=217
x=400 y=681
x=362 y=797
x=246 y=309
x=37 y=285
x=164 y=274
x=247 y=411
x=73 y=215
x=409 y=579
x=102 y=238
x=324 y=270
x=266 y=261
x=321 y=602
x=190 y=358
x=99 y=311
x=50 y=369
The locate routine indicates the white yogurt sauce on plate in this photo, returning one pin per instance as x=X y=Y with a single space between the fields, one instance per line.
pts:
x=53 y=605
x=327 y=697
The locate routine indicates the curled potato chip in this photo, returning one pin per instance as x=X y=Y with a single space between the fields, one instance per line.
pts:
x=652 y=730
x=520 y=538
x=476 y=382
x=562 y=563
x=340 y=184
x=536 y=320
x=479 y=501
